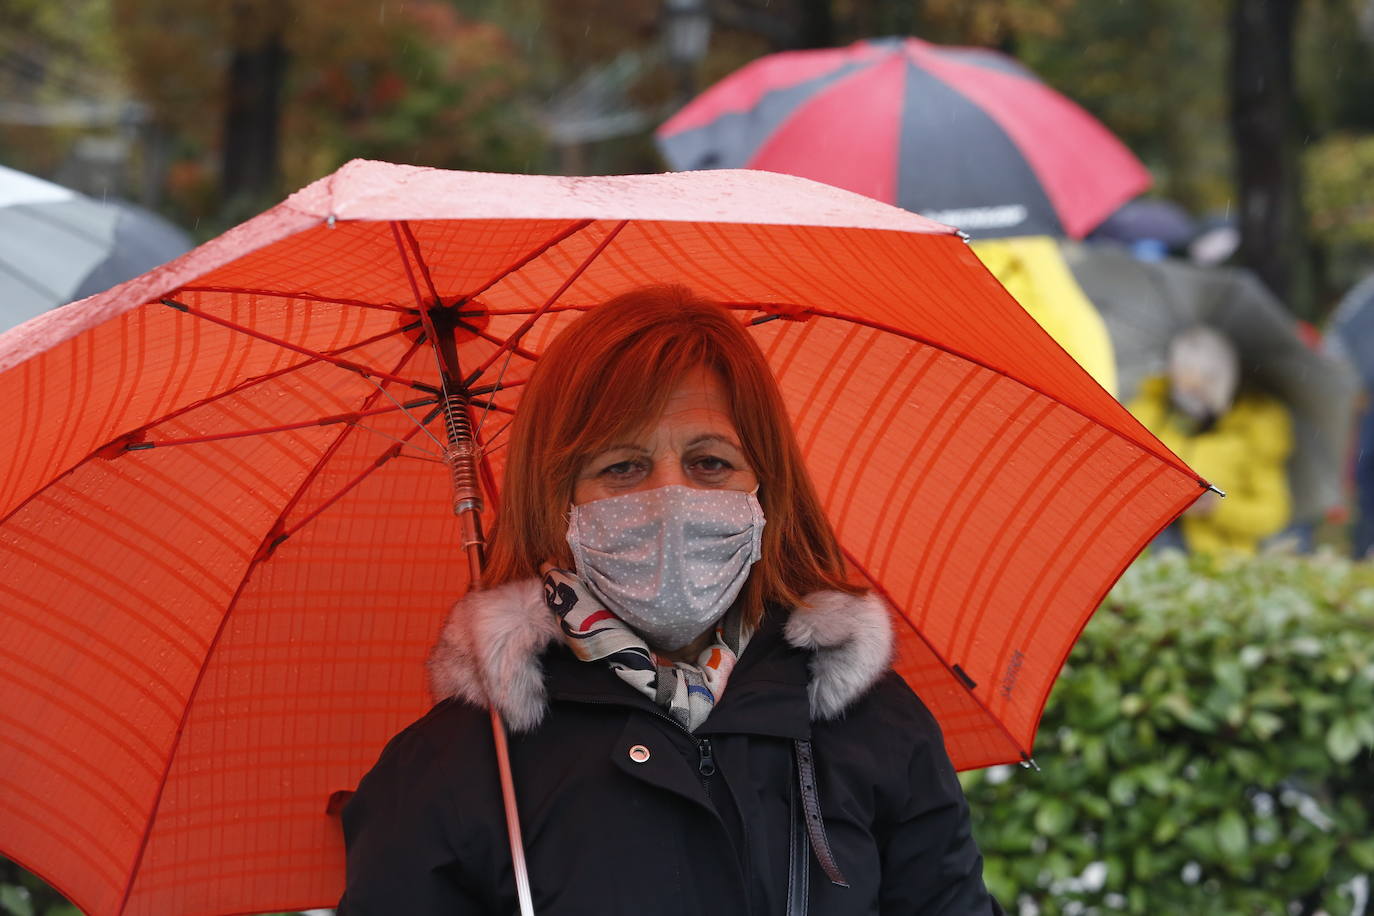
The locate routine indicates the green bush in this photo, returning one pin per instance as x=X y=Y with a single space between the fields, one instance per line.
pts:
x=1209 y=748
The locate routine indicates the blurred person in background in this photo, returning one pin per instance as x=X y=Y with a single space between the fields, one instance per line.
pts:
x=1237 y=440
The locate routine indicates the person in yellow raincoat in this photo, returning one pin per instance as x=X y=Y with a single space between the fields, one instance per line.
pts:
x=1238 y=442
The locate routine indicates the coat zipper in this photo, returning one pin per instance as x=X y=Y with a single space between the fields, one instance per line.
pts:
x=706 y=766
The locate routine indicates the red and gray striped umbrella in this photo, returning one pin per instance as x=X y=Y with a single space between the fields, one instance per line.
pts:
x=967 y=136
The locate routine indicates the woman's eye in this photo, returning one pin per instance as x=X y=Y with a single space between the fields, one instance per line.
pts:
x=711 y=466
x=620 y=469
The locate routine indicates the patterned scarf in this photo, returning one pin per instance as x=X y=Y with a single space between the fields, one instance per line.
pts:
x=686 y=691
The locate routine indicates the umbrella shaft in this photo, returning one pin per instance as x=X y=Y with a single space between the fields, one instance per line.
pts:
x=470 y=527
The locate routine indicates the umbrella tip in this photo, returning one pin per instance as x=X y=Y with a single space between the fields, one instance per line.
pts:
x=1214 y=489
x=1028 y=762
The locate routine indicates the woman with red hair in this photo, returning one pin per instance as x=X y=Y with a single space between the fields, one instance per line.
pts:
x=701 y=712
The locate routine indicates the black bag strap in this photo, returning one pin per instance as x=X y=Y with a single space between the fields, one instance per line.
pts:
x=811 y=811
x=799 y=857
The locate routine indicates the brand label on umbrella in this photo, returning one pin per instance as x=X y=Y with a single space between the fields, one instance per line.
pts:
x=1002 y=217
x=1009 y=677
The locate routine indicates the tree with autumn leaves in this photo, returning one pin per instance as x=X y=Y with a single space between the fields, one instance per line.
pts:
x=263 y=96
x=1258 y=107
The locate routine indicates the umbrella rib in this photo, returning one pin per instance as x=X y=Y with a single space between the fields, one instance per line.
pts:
x=501 y=386
x=296 y=348
x=337 y=444
x=393 y=451
x=304 y=297
x=804 y=314
x=269 y=542
x=351 y=418
x=555 y=240
x=528 y=323
x=492 y=405
x=959 y=676
x=492 y=338
x=132 y=436
x=403 y=226
x=494 y=436
x=499 y=376
x=259 y=379
x=409 y=415
x=531 y=309
x=483 y=461
x=405 y=441
x=780 y=309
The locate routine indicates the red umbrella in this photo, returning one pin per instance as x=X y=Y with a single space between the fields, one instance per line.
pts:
x=227 y=539
x=965 y=135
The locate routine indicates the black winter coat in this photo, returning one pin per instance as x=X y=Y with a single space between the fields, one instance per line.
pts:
x=702 y=825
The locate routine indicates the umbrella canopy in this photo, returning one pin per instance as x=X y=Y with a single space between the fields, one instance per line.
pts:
x=57 y=245
x=965 y=135
x=1146 y=303
x=227 y=543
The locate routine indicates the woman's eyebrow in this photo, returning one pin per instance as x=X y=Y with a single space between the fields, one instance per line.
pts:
x=712 y=437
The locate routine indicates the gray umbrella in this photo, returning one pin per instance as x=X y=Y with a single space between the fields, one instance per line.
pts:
x=1145 y=303
x=57 y=245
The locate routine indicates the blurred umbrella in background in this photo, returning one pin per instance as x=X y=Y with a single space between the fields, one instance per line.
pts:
x=966 y=136
x=1149 y=219
x=1146 y=303
x=57 y=246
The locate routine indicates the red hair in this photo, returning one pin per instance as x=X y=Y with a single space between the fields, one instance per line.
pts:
x=607 y=377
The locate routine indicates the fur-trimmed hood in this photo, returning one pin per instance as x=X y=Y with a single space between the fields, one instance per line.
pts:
x=488 y=652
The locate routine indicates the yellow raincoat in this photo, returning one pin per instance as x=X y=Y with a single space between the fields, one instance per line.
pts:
x=1033 y=271
x=1244 y=455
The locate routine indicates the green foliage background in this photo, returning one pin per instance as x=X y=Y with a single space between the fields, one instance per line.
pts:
x=1209 y=748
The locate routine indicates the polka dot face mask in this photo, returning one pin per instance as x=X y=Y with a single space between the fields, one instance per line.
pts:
x=668 y=561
